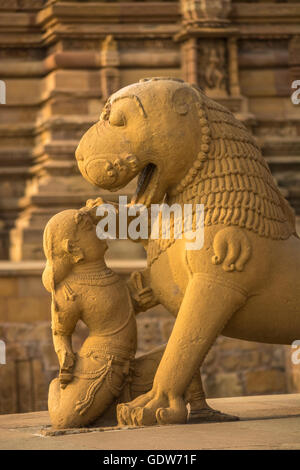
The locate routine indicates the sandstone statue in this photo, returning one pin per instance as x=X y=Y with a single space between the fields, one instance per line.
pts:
x=105 y=370
x=244 y=282
x=82 y=287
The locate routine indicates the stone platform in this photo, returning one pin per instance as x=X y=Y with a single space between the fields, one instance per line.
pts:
x=266 y=422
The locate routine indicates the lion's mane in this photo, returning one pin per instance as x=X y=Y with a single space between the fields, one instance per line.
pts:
x=234 y=183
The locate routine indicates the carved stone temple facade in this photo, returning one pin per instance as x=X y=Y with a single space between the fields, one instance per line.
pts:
x=60 y=60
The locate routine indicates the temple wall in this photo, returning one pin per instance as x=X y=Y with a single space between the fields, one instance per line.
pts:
x=60 y=61
x=232 y=367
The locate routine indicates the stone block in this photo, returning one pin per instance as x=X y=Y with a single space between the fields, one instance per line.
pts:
x=39 y=386
x=16 y=352
x=49 y=356
x=3 y=309
x=8 y=287
x=132 y=76
x=31 y=287
x=166 y=329
x=260 y=382
x=149 y=334
x=8 y=388
x=25 y=383
x=37 y=332
x=209 y=361
x=240 y=361
x=264 y=82
x=228 y=344
x=223 y=385
x=68 y=80
x=26 y=309
x=22 y=91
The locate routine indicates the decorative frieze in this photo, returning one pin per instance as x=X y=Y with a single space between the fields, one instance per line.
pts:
x=197 y=12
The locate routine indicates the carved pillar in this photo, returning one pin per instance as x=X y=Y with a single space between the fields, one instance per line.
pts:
x=210 y=53
x=19 y=45
x=3 y=250
x=110 y=61
x=70 y=104
x=294 y=179
x=76 y=85
x=294 y=58
x=233 y=67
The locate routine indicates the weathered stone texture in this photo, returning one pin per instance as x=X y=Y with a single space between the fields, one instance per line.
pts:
x=60 y=60
x=58 y=78
x=232 y=367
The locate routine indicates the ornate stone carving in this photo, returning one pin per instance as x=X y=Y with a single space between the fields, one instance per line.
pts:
x=190 y=149
x=209 y=52
x=78 y=279
x=110 y=61
x=105 y=369
x=212 y=59
x=199 y=11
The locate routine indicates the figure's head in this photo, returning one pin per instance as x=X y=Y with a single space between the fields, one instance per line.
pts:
x=150 y=129
x=70 y=239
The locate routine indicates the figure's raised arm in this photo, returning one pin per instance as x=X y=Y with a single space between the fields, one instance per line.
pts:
x=64 y=317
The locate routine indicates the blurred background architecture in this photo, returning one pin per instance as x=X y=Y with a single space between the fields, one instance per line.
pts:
x=60 y=61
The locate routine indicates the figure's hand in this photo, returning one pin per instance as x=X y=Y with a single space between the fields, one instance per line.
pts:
x=91 y=203
x=91 y=206
x=142 y=296
x=65 y=378
x=66 y=361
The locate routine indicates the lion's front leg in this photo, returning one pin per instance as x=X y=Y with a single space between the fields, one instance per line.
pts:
x=207 y=306
x=199 y=409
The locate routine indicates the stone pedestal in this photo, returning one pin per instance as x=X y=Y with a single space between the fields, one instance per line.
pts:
x=266 y=422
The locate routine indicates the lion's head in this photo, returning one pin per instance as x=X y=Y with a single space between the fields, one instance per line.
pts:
x=188 y=147
x=148 y=128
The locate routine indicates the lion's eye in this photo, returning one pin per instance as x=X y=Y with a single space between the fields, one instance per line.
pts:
x=117 y=118
x=105 y=113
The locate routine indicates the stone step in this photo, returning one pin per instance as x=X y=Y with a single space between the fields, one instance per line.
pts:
x=266 y=422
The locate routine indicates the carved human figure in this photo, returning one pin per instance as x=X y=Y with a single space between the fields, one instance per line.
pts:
x=214 y=73
x=83 y=288
x=244 y=282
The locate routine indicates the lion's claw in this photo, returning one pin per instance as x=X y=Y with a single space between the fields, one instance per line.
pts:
x=149 y=410
x=175 y=414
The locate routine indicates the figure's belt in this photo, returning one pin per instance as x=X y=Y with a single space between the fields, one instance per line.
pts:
x=107 y=350
x=104 y=375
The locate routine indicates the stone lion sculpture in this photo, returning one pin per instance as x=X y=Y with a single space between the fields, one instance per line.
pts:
x=244 y=282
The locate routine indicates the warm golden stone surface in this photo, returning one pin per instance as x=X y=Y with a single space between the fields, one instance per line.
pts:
x=241 y=281
x=58 y=79
x=267 y=422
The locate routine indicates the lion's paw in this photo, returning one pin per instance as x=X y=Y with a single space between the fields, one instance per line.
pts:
x=151 y=409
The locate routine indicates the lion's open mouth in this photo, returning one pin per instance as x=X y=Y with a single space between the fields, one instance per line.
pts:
x=146 y=185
